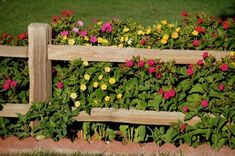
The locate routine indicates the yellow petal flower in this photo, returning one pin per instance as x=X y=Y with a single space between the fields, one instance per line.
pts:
x=99 y=23
x=103 y=86
x=121 y=39
x=87 y=77
x=107 y=98
x=77 y=104
x=107 y=69
x=119 y=96
x=73 y=95
x=163 y=41
x=112 y=80
x=174 y=35
x=177 y=29
x=164 y=22
x=232 y=53
x=100 y=77
x=126 y=29
x=95 y=84
x=126 y=38
x=120 y=45
x=85 y=63
x=71 y=41
x=195 y=33
x=170 y=26
x=86 y=38
x=83 y=87
x=40 y=137
x=165 y=37
x=159 y=27
x=140 y=32
x=148 y=31
x=100 y=40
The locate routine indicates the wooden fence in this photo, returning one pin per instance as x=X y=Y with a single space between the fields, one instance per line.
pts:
x=40 y=53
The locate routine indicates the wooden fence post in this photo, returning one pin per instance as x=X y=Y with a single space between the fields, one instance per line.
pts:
x=40 y=73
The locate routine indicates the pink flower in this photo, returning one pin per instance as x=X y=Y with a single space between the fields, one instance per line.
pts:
x=8 y=81
x=76 y=30
x=150 y=62
x=142 y=42
x=60 y=85
x=141 y=63
x=224 y=67
x=183 y=127
x=204 y=103
x=200 y=21
x=83 y=33
x=200 y=62
x=184 y=13
x=67 y=13
x=200 y=29
x=93 y=39
x=225 y=25
x=22 y=36
x=13 y=83
x=6 y=86
x=107 y=27
x=55 y=18
x=167 y=95
x=151 y=70
x=185 y=109
x=129 y=63
x=221 y=87
x=64 y=33
x=172 y=92
x=190 y=66
x=80 y=23
x=161 y=91
x=205 y=55
x=94 y=20
x=189 y=71
x=196 y=43
x=158 y=75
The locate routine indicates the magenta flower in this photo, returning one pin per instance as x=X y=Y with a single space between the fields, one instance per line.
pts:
x=158 y=75
x=107 y=27
x=189 y=71
x=64 y=33
x=167 y=95
x=76 y=30
x=80 y=23
x=142 y=42
x=205 y=55
x=60 y=85
x=200 y=62
x=221 y=87
x=6 y=86
x=183 y=127
x=83 y=33
x=196 y=43
x=172 y=92
x=204 y=103
x=150 y=62
x=13 y=83
x=224 y=67
x=161 y=92
x=93 y=39
x=185 y=109
x=141 y=63
x=152 y=70
x=129 y=63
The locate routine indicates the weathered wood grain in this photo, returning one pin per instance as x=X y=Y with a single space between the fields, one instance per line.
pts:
x=13 y=51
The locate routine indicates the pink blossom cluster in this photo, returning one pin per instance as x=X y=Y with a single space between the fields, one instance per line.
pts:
x=167 y=94
x=8 y=84
x=107 y=27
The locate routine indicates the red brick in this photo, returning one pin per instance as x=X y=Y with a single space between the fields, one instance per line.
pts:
x=169 y=149
x=96 y=147
x=204 y=150
x=150 y=148
x=226 y=151
x=187 y=150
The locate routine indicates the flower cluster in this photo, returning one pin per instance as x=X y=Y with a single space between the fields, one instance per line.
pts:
x=8 y=84
x=8 y=39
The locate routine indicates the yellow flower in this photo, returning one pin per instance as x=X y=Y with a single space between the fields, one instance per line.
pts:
x=64 y=38
x=83 y=87
x=195 y=33
x=86 y=38
x=148 y=47
x=71 y=41
x=77 y=104
x=100 y=40
x=112 y=80
x=87 y=77
x=107 y=69
x=73 y=95
x=159 y=27
x=165 y=37
x=100 y=77
x=126 y=29
x=40 y=137
x=163 y=41
x=177 y=29
x=105 y=41
x=99 y=23
x=174 y=35
x=232 y=53
x=120 y=45
x=148 y=31
x=121 y=39
x=140 y=32
x=103 y=86
x=126 y=38
x=85 y=63
x=107 y=98
x=164 y=22
x=170 y=25
x=119 y=96
x=95 y=84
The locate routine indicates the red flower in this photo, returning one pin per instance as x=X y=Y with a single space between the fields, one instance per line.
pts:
x=225 y=25
x=184 y=13
x=67 y=13
x=151 y=70
x=6 y=86
x=224 y=67
x=161 y=91
x=150 y=62
x=142 y=42
x=13 y=83
x=167 y=95
x=22 y=36
x=200 y=29
x=129 y=63
x=4 y=35
x=55 y=18
x=200 y=21
x=141 y=63
x=158 y=75
x=107 y=27
x=205 y=55
x=185 y=109
x=196 y=43
x=183 y=127
x=190 y=66
x=172 y=92
x=60 y=85
x=204 y=103
x=221 y=87
x=200 y=62
x=190 y=71
x=214 y=35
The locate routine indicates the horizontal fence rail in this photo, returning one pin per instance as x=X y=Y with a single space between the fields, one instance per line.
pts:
x=14 y=51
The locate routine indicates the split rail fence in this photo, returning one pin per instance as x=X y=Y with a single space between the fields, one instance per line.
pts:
x=40 y=52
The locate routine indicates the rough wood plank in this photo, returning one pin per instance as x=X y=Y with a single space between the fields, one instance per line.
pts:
x=11 y=110
x=133 y=116
x=39 y=66
x=116 y=54
x=13 y=51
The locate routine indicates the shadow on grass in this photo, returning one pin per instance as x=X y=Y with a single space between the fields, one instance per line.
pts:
x=228 y=12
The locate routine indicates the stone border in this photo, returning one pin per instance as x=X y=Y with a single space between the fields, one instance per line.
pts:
x=13 y=145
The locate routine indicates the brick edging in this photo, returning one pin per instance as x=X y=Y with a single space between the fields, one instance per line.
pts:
x=13 y=144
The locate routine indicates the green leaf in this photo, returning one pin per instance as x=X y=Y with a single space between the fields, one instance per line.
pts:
x=198 y=88
x=185 y=84
x=194 y=98
x=155 y=103
x=140 y=134
x=170 y=135
x=189 y=116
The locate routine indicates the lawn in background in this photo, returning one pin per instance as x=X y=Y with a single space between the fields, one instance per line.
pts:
x=15 y=15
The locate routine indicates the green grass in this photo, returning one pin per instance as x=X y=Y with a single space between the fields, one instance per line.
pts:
x=15 y=15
